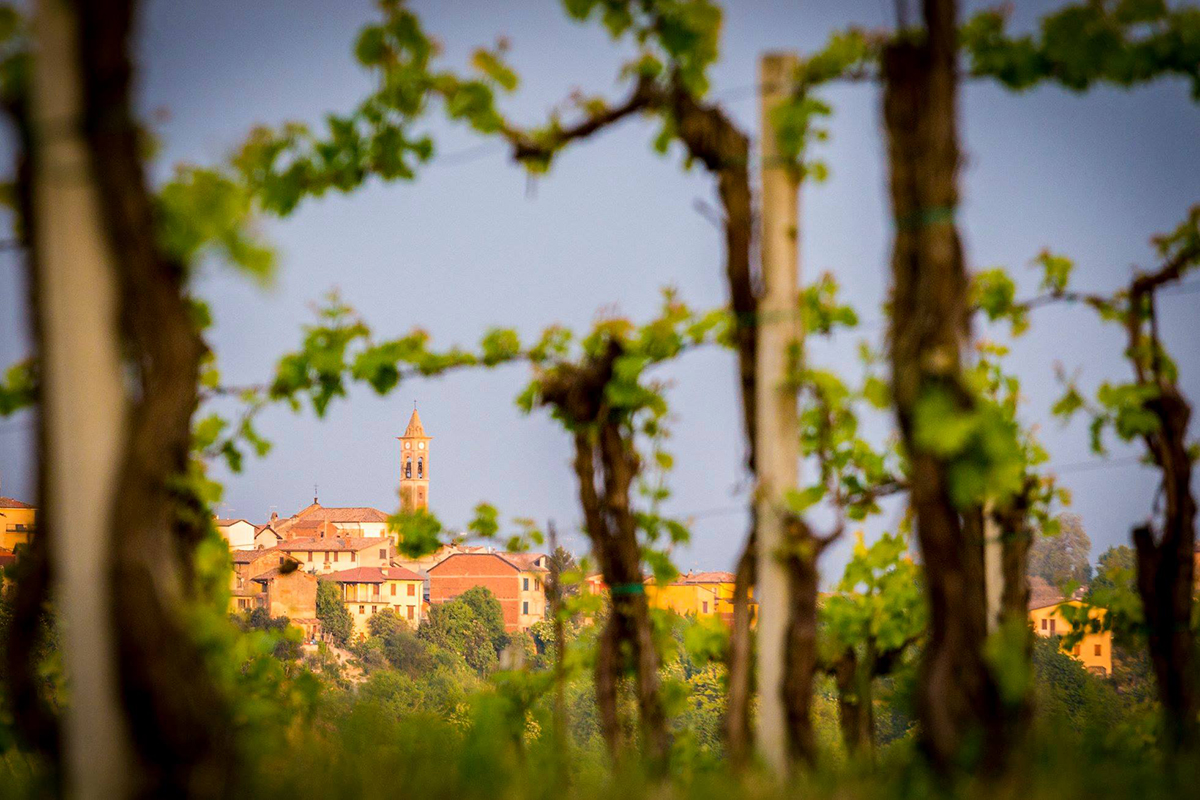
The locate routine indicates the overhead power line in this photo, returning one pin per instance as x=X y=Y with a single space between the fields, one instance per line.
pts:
x=1087 y=465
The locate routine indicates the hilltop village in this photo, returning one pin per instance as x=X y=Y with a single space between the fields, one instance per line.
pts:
x=279 y=565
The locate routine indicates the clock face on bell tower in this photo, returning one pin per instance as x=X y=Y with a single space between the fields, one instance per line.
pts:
x=414 y=465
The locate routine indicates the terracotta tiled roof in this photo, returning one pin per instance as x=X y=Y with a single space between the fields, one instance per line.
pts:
x=315 y=525
x=275 y=572
x=7 y=557
x=225 y=523
x=707 y=577
x=1042 y=594
x=525 y=561
x=373 y=575
x=348 y=543
x=247 y=556
x=344 y=514
x=502 y=557
x=8 y=502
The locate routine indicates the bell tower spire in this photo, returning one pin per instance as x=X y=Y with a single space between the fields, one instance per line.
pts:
x=414 y=465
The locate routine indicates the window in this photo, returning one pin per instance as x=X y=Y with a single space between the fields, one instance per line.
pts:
x=411 y=609
x=420 y=468
x=393 y=590
x=308 y=556
x=537 y=583
x=525 y=584
x=1078 y=649
x=362 y=609
x=374 y=609
x=383 y=554
x=353 y=557
x=704 y=607
x=525 y=607
x=412 y=590
x=1051 y=627
x=1096 y=650
x=408 y=469
x=1045 y=624
x=375 y=591
x=326 y=556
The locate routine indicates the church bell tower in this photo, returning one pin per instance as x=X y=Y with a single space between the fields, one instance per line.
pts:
x=414 y=465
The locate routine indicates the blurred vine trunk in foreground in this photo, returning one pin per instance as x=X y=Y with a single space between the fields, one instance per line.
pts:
x=606 y=465
x=711 y=137
x=1166 y=566
x=958 y=700
x=120 y=365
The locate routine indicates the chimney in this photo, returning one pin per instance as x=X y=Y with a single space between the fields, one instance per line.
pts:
x=274 y=516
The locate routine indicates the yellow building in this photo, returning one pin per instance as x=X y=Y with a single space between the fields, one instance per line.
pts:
x=16 y=522
x=368 y=590
x=700 y=594
x=683 y=599
x=332 y=551
x=1094 y=650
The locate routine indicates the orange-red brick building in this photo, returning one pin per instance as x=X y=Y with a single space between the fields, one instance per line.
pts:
x=516 y=579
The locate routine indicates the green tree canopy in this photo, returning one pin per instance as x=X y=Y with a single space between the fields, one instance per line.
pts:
x=331 y=611
x=1066 y=693
x=1115 y=569
x=386 y=623
x=489 y=611
x=416 y=656
x=1064 y=557
x=455 y=627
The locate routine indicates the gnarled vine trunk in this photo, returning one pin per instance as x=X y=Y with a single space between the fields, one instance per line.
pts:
x=712 y=138
x=1016 y=537
x=856 y=717
x=606 y=464
x=739 y=665
x=1166 y=574
x=800 y=651
x=958 y=701
x=36 y=720
x=120 y=363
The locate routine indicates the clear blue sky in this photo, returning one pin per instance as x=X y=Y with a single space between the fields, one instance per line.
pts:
x=473 y=243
